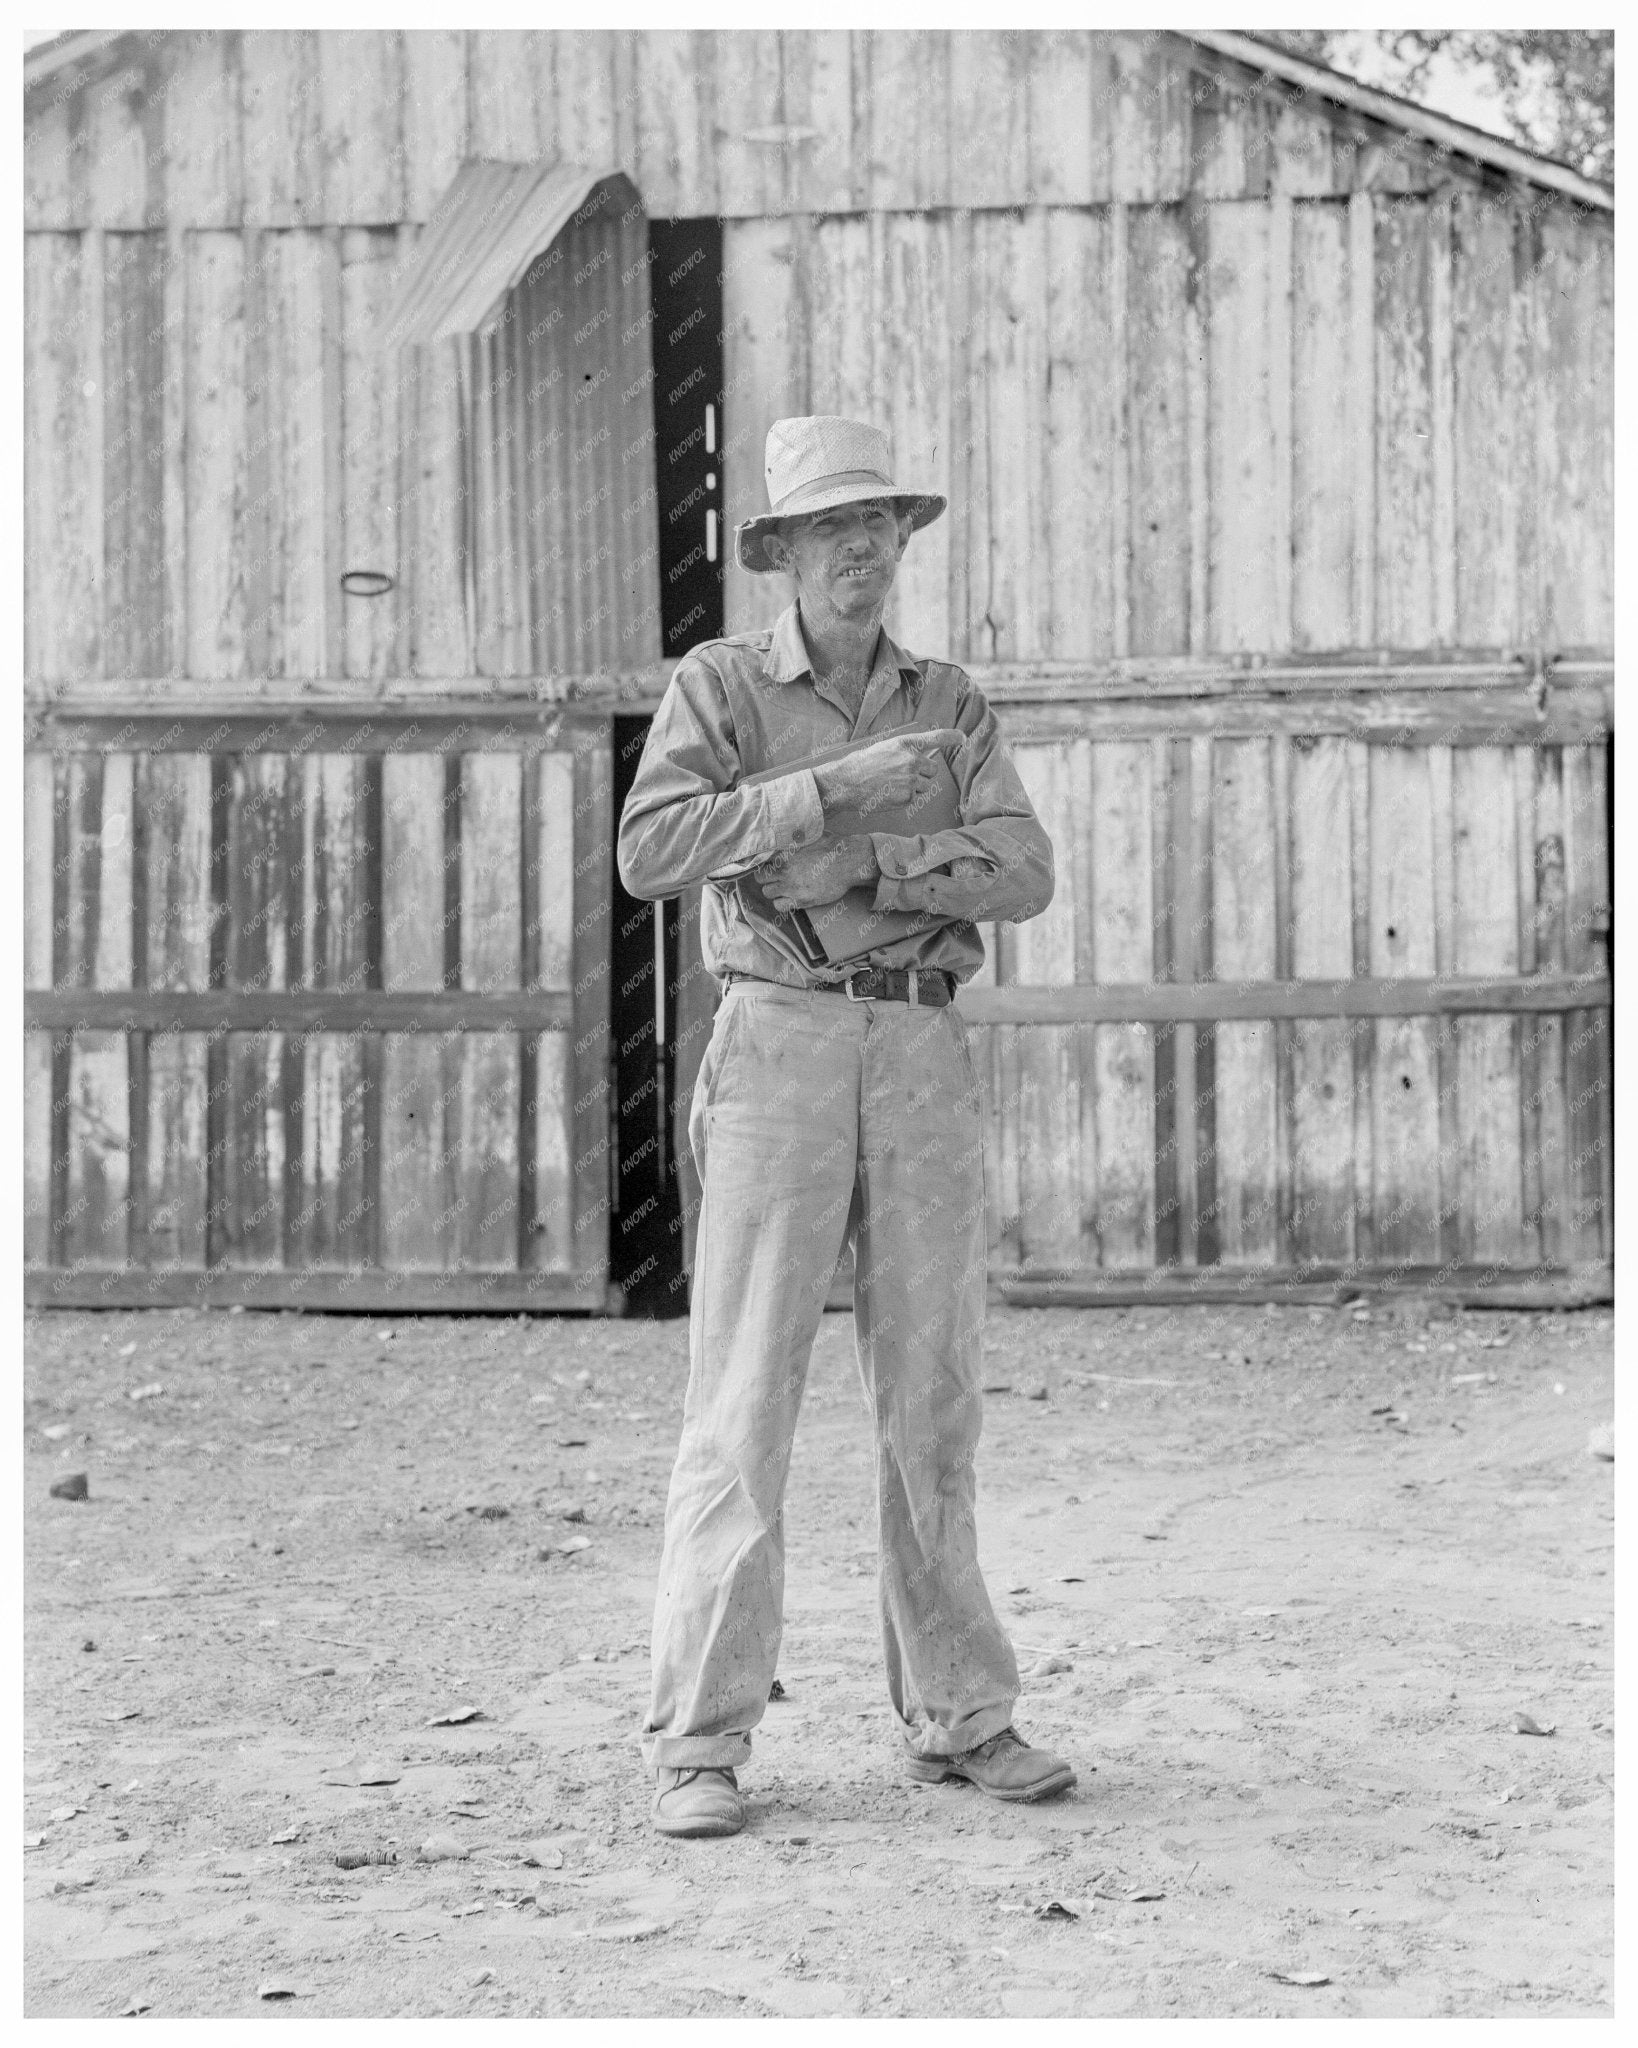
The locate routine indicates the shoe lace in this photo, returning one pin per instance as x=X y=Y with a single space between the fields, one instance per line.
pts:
x=996 y=1743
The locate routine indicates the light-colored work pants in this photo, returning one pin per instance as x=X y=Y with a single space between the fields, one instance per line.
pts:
x=816 y=1119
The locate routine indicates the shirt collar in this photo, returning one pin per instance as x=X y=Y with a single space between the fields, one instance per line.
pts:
x=787 y=656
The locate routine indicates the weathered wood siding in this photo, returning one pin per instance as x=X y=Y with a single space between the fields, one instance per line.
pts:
x=319 y=1010
x=1286 y=425
x=276 y=128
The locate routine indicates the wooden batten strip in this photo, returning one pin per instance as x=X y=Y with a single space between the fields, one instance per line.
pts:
x=1193 y=951
x=1477 y=1286
x=299 y=1010
x=363 y=1292
x=593 y=887
x=1166 y=1234
x=1404 y=717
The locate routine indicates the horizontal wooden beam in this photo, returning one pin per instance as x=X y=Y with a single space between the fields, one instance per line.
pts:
x=480 y=727
x=1466 y=1286
x=1467 y=718
x=297 y=1011
x=1164 y=1002
x=370 y=1292
x=446 y=712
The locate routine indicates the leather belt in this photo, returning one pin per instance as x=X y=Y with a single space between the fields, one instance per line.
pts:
x=924 y=985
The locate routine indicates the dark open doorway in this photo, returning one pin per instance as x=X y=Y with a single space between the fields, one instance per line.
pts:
x=685 y=274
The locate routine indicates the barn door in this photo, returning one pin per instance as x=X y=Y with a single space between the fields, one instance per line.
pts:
x=317 y=1010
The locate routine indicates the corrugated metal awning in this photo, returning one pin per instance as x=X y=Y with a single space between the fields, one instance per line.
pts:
x=484 y=234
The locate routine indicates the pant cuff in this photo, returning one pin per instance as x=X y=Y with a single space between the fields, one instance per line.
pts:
x=697 y=1752
x=927 y=1738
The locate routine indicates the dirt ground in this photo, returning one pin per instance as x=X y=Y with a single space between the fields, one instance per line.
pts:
x=1301 y=1569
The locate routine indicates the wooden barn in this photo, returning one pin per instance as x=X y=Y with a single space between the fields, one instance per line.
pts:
x=388 y=399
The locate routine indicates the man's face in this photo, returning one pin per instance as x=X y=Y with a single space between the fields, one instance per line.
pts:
x=844 y=560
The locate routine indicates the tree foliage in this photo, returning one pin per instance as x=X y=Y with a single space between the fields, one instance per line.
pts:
x=1554 y=89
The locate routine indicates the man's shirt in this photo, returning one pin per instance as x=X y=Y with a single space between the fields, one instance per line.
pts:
x=743 y=705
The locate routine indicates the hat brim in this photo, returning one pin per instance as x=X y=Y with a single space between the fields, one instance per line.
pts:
x=751 y=538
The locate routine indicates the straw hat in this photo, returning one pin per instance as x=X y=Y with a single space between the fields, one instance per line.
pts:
x=820 y=461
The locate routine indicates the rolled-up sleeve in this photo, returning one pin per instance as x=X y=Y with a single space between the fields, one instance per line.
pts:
x=997 y=863
x=684 y=820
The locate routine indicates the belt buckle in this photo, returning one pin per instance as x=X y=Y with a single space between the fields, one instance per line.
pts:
x=847 y=985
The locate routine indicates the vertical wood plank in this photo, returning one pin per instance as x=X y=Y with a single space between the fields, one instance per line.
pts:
x=1442 y=419
x=39 y=806
x=1150 y=148
x=842 y=278
x=1362 y=381
x=1300 y=150
x=174 y=449
x=491 y=958
x=1404 y=427
x=419 y=1129
x=361 y=123
x=334 y=1224
x=1321 y=1050
x=1054 y=1181
x=1325 y=405
x=750 y=175
x=903 y=94
x=55 y=165
x=1123 y=1078
x=1588 y=1053
x=1363 y=1037
x=1159 y=281
x=123 y=169
x=675 y=167
x=512 y=95
x=989 y=114
x=593 y=903
x=1486 y=374
x=96 y=1220
x=262 y=864
x=434 y=120
x=134 y=624
x=281 y=96
x=1243 y=949
x=203 y=170
x=1007 y=548
x=1085 y=449
x=369 y=626
x=1062 y=167
x=38 y=1135
x=1575 y=286
x=217 y=520
x=1244 y=590
x=547 y=1082
x=817 y=70
x=1546 y=1039
x=916 y=373
x=174 y=792
x=433 y=542
x=62 y=457
x=1488 y=1067
x=765 y=377
x=1405 y=1081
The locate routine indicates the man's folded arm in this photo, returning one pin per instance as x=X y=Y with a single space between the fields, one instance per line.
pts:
x=683 y=823
x=997 y=864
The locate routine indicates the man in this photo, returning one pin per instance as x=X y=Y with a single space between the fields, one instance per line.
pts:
x=835 y=1103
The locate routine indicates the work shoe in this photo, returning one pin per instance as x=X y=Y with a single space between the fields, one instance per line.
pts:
x=702 y=1801
x=1005 y=1767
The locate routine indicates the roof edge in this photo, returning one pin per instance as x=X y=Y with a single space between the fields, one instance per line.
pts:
x=1460 y=137
x=72 y=46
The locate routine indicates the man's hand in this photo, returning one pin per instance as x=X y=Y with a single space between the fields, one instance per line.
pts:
x=895 y=771
x=809 y=876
